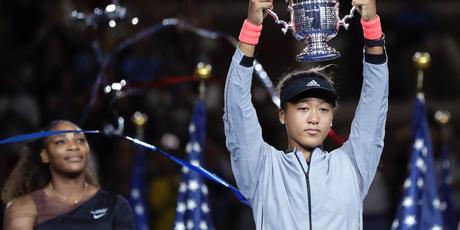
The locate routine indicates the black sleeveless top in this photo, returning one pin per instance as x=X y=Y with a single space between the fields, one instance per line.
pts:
x=104 y=211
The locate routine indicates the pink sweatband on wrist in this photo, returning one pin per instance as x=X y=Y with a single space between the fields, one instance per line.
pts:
x=250 y=33
x=372 y=29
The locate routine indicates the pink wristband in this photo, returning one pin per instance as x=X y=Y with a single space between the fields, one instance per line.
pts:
x=250 y=33
x=372 y=29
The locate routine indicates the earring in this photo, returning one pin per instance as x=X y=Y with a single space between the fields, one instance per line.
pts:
x=331 y=124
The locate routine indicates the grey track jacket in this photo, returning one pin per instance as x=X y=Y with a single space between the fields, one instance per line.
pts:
x=274 y=181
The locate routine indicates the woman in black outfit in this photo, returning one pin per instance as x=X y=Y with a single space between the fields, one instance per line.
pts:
x=54 y=187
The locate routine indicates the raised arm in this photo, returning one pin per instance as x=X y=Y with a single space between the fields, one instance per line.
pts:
x=366 y=140
x=256 y=15
x=242 y=130
x=368 y=11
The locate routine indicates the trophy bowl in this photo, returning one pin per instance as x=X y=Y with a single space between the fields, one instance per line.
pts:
x=314 y=22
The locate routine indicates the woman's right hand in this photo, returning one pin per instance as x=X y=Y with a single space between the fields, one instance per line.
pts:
x=256 y=12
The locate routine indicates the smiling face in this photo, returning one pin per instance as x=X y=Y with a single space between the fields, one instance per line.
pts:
x=307 y=122
x=66 y=153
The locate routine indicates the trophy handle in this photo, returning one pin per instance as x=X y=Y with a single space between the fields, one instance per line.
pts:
x=342 y=22
x=286 y=26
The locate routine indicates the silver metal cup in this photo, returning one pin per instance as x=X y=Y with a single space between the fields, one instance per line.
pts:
x=314 y=22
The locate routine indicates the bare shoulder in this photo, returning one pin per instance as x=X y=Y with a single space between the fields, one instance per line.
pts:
x=20 y=214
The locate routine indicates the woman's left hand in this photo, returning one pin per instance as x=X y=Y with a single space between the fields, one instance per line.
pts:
x=367 y=8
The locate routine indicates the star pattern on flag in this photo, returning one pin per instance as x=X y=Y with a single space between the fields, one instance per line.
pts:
x=407 y=183
x=420 y=206
x=420 y=183
x=193 y=185
x=181 y=207
x=204 y=208
x=420 y=164
x=192 y=211
x=203 y=225
x=445 y=192
x=136 y=196
x=179 y=226
x=410 y=220
x=407 y=202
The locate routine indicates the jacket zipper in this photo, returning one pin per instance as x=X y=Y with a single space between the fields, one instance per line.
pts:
x=262 y=221
x=307 y=180
x=307 y=176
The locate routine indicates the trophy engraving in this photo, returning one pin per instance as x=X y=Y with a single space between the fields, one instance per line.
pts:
x=314 y=22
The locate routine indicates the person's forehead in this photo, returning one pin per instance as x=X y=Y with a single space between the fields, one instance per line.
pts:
x=310 y=99
x=65 y=126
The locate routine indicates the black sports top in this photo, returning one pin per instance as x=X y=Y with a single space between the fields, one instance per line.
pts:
x=104 y=211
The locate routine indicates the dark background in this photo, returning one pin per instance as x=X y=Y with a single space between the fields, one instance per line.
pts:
x=48 y=68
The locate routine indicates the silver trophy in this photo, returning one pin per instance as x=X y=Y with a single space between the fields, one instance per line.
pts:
x=314 y=22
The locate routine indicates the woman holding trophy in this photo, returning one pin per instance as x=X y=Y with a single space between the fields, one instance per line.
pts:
x=306 y=187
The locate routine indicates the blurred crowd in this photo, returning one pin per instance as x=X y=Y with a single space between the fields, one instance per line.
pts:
x=50 y=64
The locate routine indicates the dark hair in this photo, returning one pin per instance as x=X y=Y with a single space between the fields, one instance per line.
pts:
x=292 y=75
x=31 y=173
